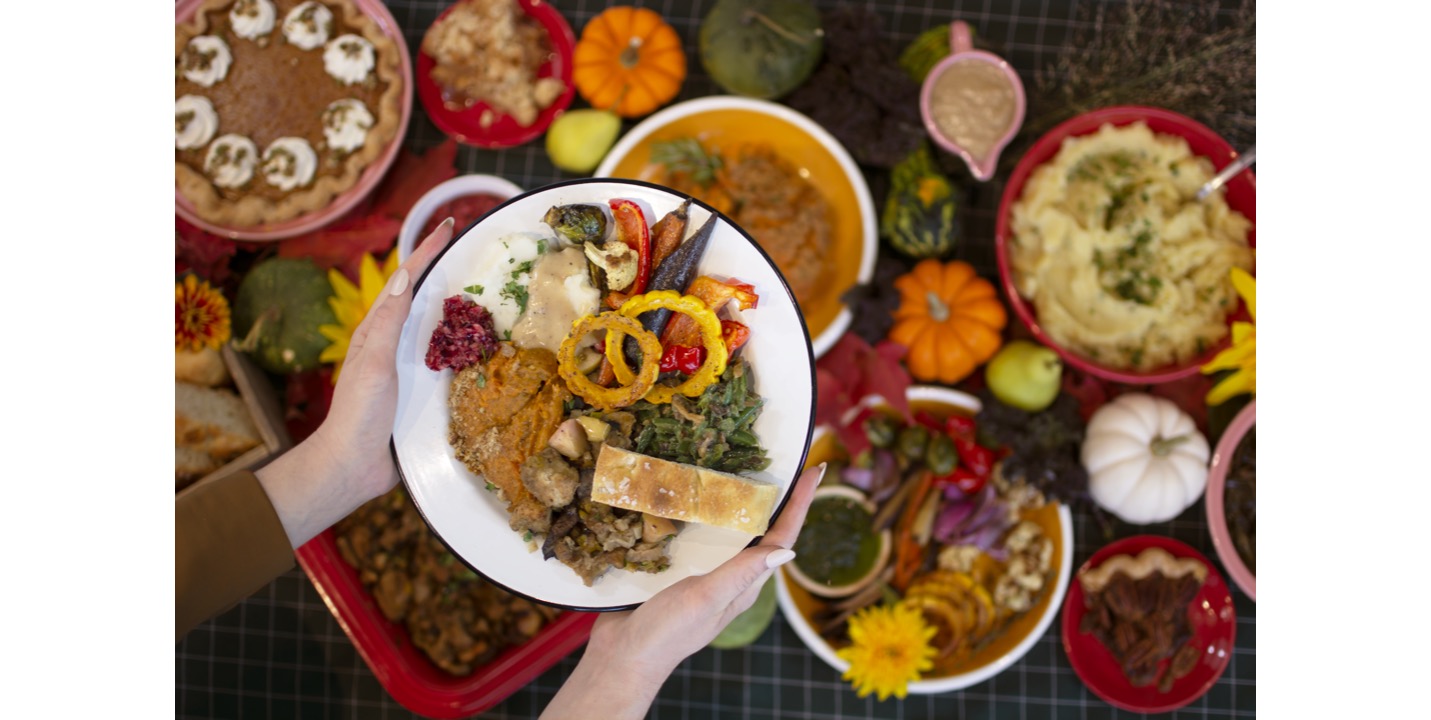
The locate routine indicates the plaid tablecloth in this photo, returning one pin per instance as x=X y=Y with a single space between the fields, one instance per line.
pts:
x=282 y=654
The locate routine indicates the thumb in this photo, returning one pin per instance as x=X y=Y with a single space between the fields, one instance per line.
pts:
x=738 y=575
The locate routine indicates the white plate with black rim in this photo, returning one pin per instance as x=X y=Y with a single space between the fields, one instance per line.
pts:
x=473 y=522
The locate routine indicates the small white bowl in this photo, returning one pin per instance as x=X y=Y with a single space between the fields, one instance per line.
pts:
x=810 y=635
x=449 y=190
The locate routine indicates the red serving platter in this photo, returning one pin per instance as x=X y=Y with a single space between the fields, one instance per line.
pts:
x=1210 y=615
x=464 y=124
x=404 y=670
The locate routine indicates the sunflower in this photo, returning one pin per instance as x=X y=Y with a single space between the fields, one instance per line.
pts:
x=1242 y=356
x=201 y=315
x=351 y=303
x=890 y=648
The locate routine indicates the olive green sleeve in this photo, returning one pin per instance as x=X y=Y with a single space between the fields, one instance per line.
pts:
x=228 y=543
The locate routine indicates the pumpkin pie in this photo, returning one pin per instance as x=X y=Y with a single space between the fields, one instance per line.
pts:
x=279 y=106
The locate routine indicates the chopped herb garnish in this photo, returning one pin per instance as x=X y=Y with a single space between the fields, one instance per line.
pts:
x=517 y=292
x=481 y=380
x=541 y=246
x=475 y=289
x=491 y=487
x=525 y=267
x=527 y=536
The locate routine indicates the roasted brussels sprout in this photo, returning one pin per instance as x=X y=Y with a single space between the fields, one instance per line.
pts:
x=578 y=224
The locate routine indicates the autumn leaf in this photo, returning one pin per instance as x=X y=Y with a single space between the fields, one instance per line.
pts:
x=412 y=176
x=202 y=253
x=344 y=244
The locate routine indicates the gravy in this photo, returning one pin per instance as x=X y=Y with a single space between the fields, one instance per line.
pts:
x=558 y=295
x=972 y=103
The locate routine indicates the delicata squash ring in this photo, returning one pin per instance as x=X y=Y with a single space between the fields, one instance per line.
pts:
x=692 y=307
x=633 y=387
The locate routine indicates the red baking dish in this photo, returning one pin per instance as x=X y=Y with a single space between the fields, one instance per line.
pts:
x=403 y=670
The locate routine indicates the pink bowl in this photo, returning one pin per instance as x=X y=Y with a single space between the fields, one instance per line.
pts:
x=375 y=9
x=1241 y=194
x=1245 y=420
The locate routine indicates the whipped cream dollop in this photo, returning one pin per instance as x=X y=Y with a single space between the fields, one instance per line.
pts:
x=308 y=25
x=349 y=59
x=289 y=162
x=252 y=19
x=346 y=124
x=195 y=122
x=231 y=161
x=205 y=60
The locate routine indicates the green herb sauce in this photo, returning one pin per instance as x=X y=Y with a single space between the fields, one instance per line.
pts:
x=836 y=546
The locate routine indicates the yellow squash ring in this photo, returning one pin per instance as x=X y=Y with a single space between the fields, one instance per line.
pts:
x=694 y=308
x=632 y=388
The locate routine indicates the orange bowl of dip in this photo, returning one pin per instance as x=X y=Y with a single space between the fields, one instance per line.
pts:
x=972 y=103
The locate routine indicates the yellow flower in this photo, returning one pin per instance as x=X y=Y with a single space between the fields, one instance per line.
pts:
x=1242 y=356
x=201 y=316
x=351 y=303
x=890 y=648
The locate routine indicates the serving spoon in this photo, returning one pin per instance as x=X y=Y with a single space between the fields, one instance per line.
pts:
x=1241 y=163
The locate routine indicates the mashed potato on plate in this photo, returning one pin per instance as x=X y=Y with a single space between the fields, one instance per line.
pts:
x=1121 y=262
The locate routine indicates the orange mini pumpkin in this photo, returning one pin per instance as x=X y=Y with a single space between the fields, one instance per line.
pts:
x=949 y=318
x=629 y=61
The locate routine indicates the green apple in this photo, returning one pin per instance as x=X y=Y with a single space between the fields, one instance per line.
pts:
x=1025 y=375
x=579 y=139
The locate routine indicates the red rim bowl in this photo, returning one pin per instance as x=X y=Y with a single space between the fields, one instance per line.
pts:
x=404 y=671
x=1211 y=618
x=1241 y=194
x=465 y=125
x=183 y=11
x=1244 y=421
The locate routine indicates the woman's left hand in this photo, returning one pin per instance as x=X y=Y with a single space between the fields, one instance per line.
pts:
x=347 y=461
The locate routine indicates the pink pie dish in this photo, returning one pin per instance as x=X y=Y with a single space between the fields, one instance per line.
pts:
x=184 y=11
x=961 y=45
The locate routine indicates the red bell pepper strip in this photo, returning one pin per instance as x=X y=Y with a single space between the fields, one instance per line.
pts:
x=963 y=478
x=959 y=426
x=682 y=358
x=632 y=230
x=734 y=333
x=977 y=458
x=715 y=294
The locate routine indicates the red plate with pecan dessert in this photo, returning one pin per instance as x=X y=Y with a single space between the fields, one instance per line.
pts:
x=286 y=112
x=496 y=73
x=1148 y=624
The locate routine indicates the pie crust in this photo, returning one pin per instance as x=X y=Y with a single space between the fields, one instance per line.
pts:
x=249 y=206
x=1151 y=560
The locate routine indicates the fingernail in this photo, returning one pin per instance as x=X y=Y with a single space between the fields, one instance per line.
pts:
x=779 y=557
x=398 y=283
x=823 y=467
x=449 y=222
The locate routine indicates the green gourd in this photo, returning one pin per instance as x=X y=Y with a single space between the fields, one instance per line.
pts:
x=920 y=214
x=761 y=48
x=925 y=51
x=281 y=302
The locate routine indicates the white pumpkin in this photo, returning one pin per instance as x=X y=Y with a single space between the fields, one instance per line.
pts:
x=1145 y=458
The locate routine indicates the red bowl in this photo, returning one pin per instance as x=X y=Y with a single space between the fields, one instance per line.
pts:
x=1241 y=193
x=1244 y=421
x=375 y=9
x=404 y=670
x=464 y=124
x=1210 y=616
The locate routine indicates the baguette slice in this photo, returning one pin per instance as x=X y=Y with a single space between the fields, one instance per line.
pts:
x=213 y=421
x=678 y=491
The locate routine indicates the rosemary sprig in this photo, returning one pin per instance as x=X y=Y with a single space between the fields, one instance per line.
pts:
x=687 y=155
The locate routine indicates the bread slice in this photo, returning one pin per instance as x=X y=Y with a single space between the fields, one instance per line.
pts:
x=204 y=367
x=213 y=421
x=677 y=491
x=190 y=465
